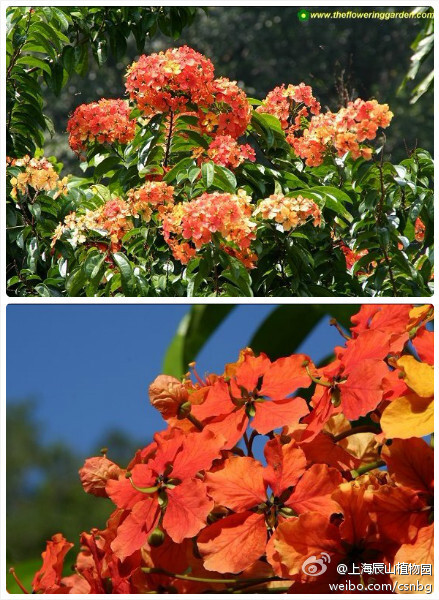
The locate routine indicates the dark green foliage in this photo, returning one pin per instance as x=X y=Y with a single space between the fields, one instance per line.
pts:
x=48 y=45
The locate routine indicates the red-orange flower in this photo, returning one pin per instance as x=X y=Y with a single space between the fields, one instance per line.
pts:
x=242 y=485
x=168 y=81
x=165 y=488
x=103 y=122
x=48 y=578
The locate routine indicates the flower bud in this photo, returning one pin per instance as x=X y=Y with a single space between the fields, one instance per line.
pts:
x=167 y=394
x=156 y=537
x=287 y=511
x=335 y=398
x=96 y=472
x=162 y=499
x=250 y=410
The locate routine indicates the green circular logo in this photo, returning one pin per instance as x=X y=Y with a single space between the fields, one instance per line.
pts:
x=303 y=15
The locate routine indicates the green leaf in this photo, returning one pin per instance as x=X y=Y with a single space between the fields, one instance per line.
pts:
x=224 y=179
x=56 y=79
x=68 y=59
x=61 y=17
x=207 y=173
x=126 y=274
x=194 y=330
x=75 y=282
x=108 y=164
x=81 y=59
x=329 y=197
x=33 y=61
x=102 y=191
x=100 y=52
x=183 y=165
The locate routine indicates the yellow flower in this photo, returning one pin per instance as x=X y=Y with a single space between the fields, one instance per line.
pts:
x=411 y=415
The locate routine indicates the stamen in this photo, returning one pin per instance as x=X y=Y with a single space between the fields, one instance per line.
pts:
x=17 y=581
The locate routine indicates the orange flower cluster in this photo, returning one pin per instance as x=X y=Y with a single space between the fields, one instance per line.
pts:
x=341 y=132
x=190 y=225
x=290 y=105
x=169 y=81
x=224 y=150
x=38 y=174
x=104 y=122
x=289 y=212
x=150 y=196
x=230 y=112
x=197 y=512
x=109 y=220
x=181 y=80
x=112 y=219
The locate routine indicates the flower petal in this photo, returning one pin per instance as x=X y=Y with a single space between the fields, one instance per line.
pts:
x=313 y=492
x=362 y=392
x=417 y=375
x=239 y=485
x=408 y=416
x=134 y=530
x=285 y=464
x=411 y=463
x=187 y=510
x=285 y=376
x=234 y=543
x=278 y=413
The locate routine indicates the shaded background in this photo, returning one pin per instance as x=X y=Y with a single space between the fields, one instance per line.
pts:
x=267 y=46
x=77 y=379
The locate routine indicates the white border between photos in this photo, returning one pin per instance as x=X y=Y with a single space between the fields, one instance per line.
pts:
x=5 y=300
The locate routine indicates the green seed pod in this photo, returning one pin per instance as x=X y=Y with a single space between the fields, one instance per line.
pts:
x=335 y=398
x=286 y=511
x=250 y=410
x=156 y=538
x=163 y=498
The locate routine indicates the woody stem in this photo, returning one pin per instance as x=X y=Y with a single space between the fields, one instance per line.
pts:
x=354 y=430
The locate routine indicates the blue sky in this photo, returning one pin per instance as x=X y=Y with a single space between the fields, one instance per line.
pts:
x=88 y=367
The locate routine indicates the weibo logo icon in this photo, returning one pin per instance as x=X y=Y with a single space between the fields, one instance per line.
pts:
x=316 y=566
